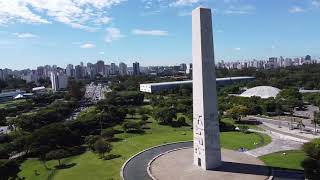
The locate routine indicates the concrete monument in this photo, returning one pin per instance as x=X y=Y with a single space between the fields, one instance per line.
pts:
x=206 y=141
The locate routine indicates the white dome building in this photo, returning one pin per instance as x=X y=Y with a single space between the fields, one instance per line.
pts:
x=264 y=92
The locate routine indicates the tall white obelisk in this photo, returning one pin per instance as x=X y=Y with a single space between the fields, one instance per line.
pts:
x=206 y=133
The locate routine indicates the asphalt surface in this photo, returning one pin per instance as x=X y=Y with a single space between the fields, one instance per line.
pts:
x=136 y=168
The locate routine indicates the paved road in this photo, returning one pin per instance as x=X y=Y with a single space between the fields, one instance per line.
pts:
x=136 y=168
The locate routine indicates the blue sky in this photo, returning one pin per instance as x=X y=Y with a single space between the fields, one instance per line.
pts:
x=153 y=32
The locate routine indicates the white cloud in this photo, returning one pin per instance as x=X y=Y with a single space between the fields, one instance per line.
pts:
x=80 y=14
x=273 y=47
x=239 y=10
x=102 y=53
x=87 y=46
x=25 y=35
x=150 y=32
x=237 y=49
x=316 y=3
x=113 y=34
x=178 y=3
x=296 y=9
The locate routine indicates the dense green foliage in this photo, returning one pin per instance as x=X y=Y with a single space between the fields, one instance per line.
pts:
x=9 y=169
x=55 y=112
x=306 y=76
x=311 y=164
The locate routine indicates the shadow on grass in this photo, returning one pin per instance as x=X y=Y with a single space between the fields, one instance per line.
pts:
x=248 y=122
x=65 y=166
x=111 y=156
x=115 y=139
x=136 y=131
x=260 y=170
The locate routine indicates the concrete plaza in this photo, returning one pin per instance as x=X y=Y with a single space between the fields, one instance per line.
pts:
x=178 y=165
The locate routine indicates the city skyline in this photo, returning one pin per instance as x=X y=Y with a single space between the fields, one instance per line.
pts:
x=152 y=32
x=281 y=61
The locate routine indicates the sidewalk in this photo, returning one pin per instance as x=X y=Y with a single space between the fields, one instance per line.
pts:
x=285 y=130
x=280 y=142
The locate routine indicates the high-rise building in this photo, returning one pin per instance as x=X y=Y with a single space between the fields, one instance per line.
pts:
x=58 y=81
x=40 y=72
x=1 y=74
x=183 y=67
x=107 y=69
x=100 y=68
x=123 y=69
x=30 y=76
x=78 y=72
x=136 y=68
x=70 y=70
x=113 y=69
x=308 y=60
x=6 y=73
x=91 y=70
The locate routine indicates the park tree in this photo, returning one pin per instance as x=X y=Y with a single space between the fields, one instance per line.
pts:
x=132 y=126
x=5 y=150
x=311 y=164
x=144 y=117
x=108 y=133
x=165 y=115
x=237 y=112
x=9 y=169
x=101 y=146
x=57 y=155
x=76 y=89
x=53 y=136
x=132 y=112
x=90 y=140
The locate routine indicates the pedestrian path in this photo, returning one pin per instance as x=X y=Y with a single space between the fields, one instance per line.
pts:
x=280 y=142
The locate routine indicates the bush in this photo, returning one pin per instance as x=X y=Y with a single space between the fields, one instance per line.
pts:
x=226 y=126
x=243 y=128
x=111 y=156
x=132 y=126
x=108 y=133
x=182 y=121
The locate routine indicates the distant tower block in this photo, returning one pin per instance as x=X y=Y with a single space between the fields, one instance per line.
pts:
x=206 y=134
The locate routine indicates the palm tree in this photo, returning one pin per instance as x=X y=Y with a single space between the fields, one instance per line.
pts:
x=300 y=126
x=316 y=120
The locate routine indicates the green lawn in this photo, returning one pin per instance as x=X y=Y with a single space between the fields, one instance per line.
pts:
x=89 y=166
x=235 y=140
x=255 y=127
x=291 y=160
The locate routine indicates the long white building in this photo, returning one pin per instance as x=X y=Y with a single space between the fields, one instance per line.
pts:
x=156 y=87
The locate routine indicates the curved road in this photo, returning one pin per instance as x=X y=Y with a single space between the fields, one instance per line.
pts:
x=136 y=168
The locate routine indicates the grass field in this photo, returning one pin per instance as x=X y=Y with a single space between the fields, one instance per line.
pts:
x=235 y=140
x=291 y=159
x=89 y=166
x=12 y=103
